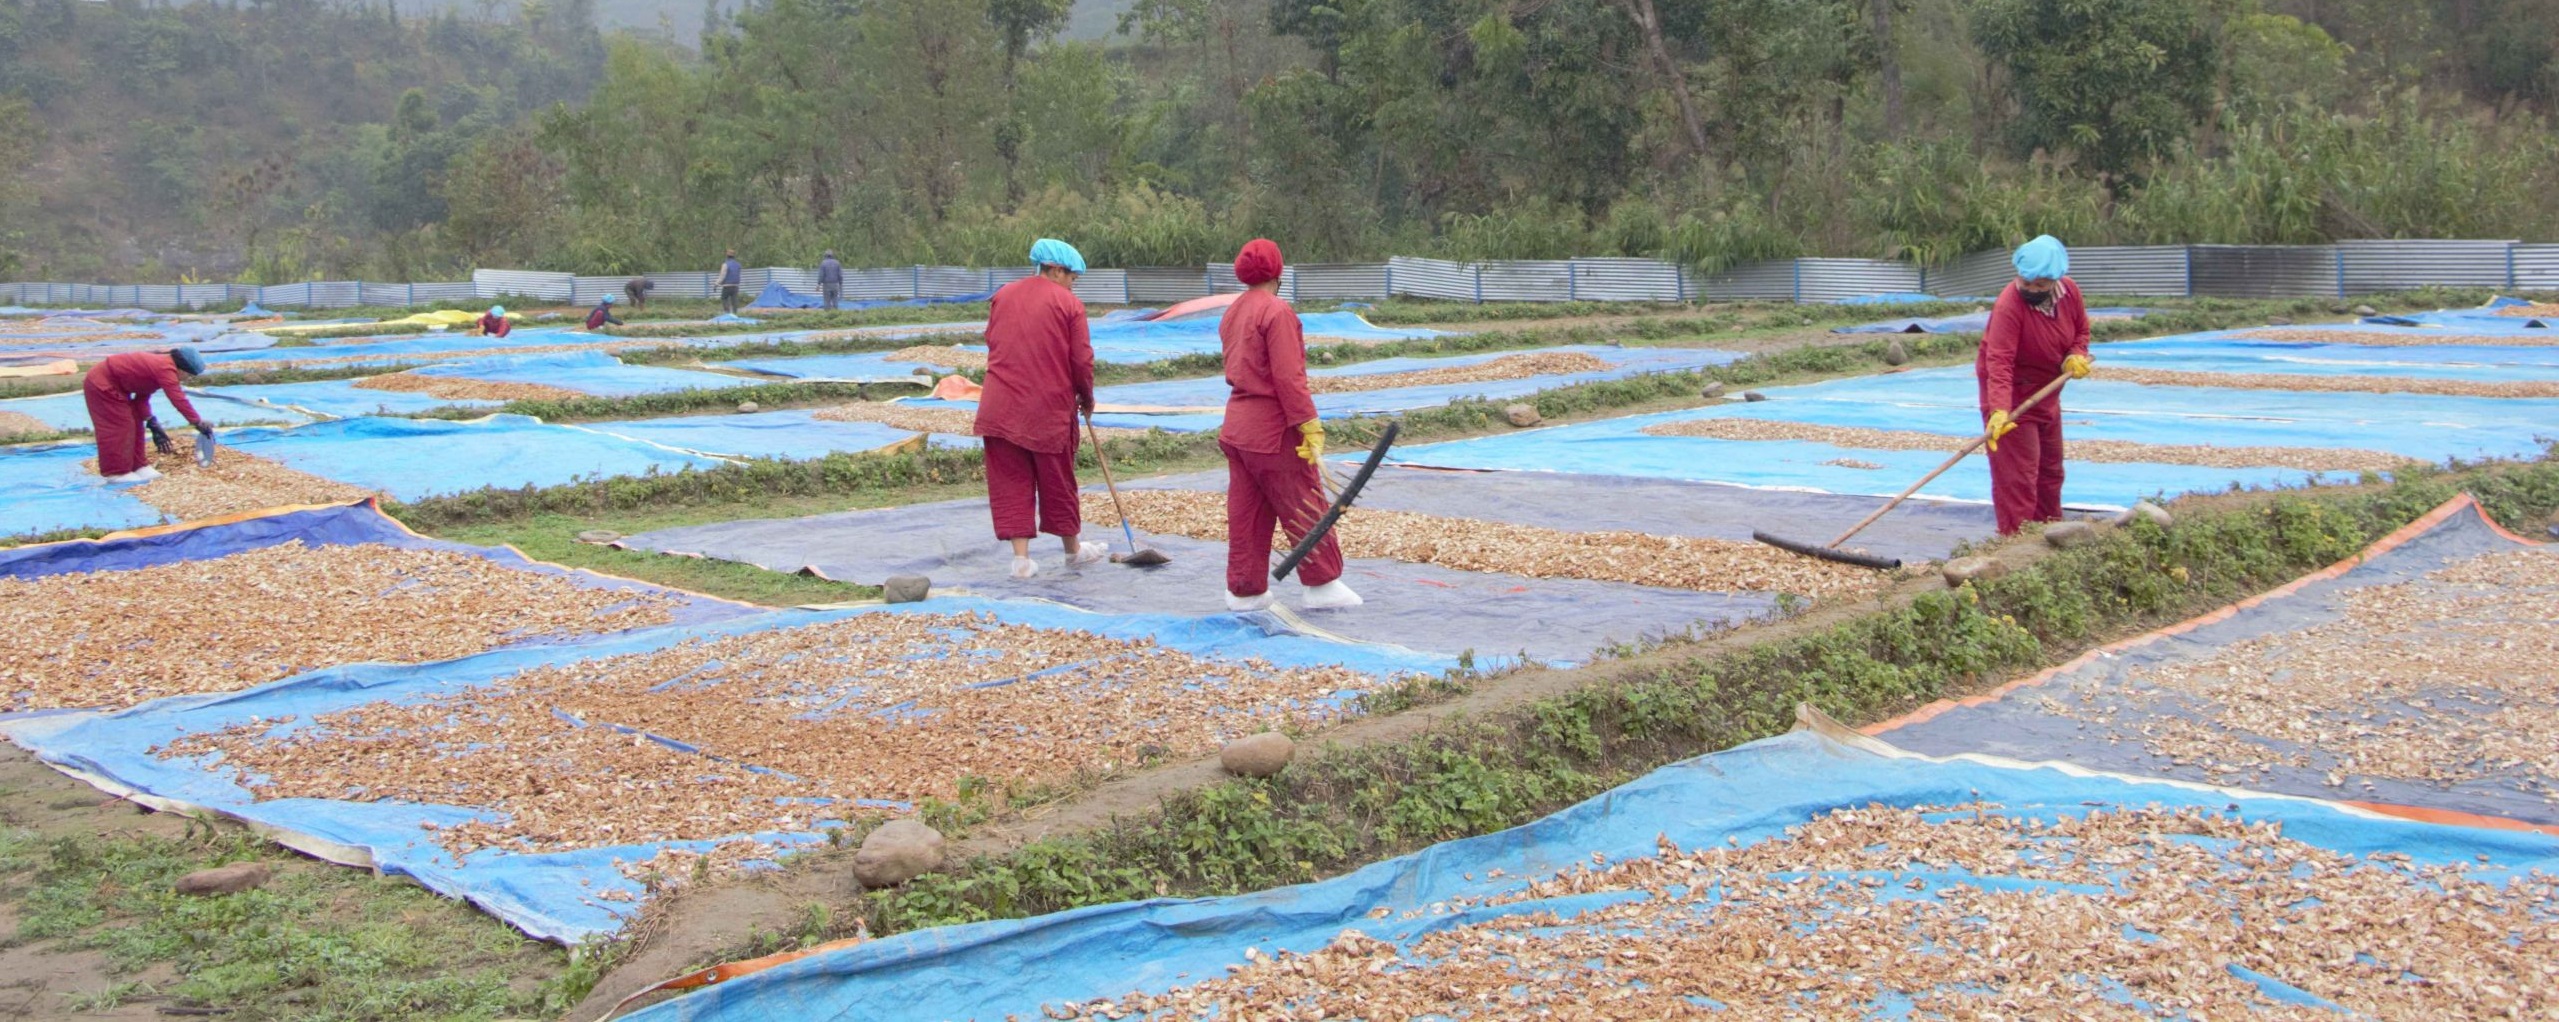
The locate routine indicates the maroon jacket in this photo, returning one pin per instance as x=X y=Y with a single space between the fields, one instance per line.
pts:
x=2023 y=349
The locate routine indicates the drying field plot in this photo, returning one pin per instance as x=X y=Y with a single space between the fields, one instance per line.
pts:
x=2336 y=384
x=113 y=639
x=2530 y=310
x=771 y=730
x=13 y=424
x=1966 y=911
x=1507 y=367
x=2408 y=339
x=235 y=482
x=952 y=356
x=458 y=388
x=945 y=421
x=1469 y=544
x=2313 y=459
x=2447 y=680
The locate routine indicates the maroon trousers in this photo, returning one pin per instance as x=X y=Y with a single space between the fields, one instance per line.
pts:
x=1024 y=487
x=2025 y=475
x=117 y=421
x=1266 y=490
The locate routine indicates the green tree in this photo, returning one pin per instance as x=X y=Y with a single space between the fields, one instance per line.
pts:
x=2115 y=82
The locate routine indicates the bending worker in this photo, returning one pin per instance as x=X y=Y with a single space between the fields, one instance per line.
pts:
x=1039 y=374
x=495 y=323
x=830 y=279
x=1273 y=441
x=597 y=317
x=2038 y=331
x=119 y=395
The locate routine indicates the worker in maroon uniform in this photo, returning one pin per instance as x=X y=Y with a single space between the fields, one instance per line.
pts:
x=119 y=394
x=495 y=323
x=1273 y=442
x=1039 y=374
x=2038 y=331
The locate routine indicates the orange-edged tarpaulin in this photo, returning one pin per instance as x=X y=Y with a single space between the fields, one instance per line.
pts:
x=1194 y=307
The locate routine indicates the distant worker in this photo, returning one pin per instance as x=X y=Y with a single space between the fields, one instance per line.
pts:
x=495 y=323
x=597 y=317
x=830 y=279
x=2038 y=332
x=731 y=274
x=637 y=289
x=119 y=395
x=1274 y=442
x=1039 y=374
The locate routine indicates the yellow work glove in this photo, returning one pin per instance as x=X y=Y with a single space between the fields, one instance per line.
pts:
x=2077 y=366
x=1310 y=443
x=1998 y=427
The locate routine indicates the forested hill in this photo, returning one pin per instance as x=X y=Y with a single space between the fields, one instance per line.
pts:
x=292 y=138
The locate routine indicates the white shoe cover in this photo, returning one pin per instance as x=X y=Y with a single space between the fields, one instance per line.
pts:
x=1248 y=604
x=1331 y=594
x=1088 y=553
x=1024 y=567
x=140 y=475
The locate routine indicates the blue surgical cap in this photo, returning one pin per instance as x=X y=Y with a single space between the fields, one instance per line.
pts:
x=2043 y=259
x=1052 y=252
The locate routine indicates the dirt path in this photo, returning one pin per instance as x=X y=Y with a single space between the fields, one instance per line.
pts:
x=40 y=979
x=685 y=932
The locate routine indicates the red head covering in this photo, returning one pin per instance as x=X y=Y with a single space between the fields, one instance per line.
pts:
x=1259 y=262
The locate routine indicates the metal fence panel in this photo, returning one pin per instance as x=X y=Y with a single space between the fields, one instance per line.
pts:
x=444 y=293
x=1982 y=275
x=1627 y=280
x=2403 y=265
x=1433 y=278
x=197 y=296
x=386 y=294
x=950 y=281
x=590 y=290
x=549 y=287
x=879 y=285
x=296 y=296
x=2536 y=268
x=1335 y=281
x=156 y=296
x=1524 y=280
x=1166 y=284
x=1102 y=287
x=2264 y=271
x=1829 y=280
x=2130 y=270
x=1775 y=279
x=1222 y=281
x=336 y=294
x=682 y=284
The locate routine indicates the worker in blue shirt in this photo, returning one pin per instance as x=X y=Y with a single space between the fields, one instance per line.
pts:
x=731 y=274
x=830 y=279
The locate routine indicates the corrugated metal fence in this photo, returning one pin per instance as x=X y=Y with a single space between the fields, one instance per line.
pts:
x=2237 y=271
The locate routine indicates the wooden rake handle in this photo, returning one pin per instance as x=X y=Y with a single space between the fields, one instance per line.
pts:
x=1960 y=454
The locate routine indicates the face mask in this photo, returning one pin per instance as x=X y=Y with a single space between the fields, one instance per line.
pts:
x=2038 y=299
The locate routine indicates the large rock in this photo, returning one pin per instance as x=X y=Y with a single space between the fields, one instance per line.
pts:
x=1895 y=354
x=899 y=851
x=2070 y=534
x=748 y=408
x=906 y=588
x=1712 y=391
x=1522 y=415
x=2366 y=310
x=2278 y=321
x=2147 y=511
x=231 y=879
x=1972 y=569
x=1753 y=395
x=1257 y=755
x=598 y=536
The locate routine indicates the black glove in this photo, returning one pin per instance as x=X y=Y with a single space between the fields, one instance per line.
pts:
x=160 y=437
x=204 y=430
x=1084 y=403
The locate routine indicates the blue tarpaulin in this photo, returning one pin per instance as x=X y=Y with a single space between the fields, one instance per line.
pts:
x=792 y=435
x=340 y=399
x=1945 y=401
x=1124 y=337
x=49 y=491
x=1742 y=797
x=71 y=411
x=2101 y=711
x=414 y=458
x=867 y=367
x=1425 y=607
x=587 y=372
x=2227 y=353
x=557 y=895
x=775 y=296
x=2489 y=317
x=407 y=349
x=1970 y=323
